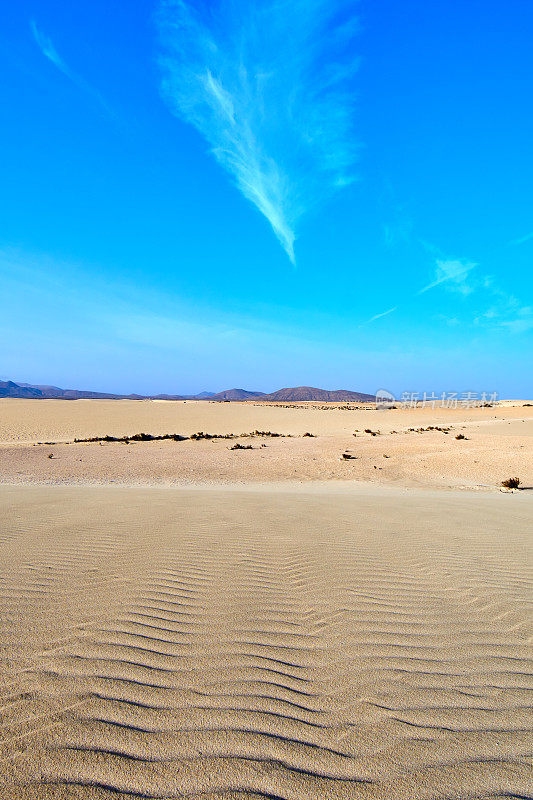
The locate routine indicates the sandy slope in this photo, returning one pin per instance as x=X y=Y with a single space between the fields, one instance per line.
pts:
x=274 y=643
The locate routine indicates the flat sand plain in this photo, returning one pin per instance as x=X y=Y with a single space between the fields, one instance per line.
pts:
x=498 y=444
x=290 y=626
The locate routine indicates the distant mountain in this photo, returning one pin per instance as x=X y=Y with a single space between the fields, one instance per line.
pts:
x=10 y=389
x=82 y=394
x=156 y=397
x=28 y=390
x=38 y=386
x=296 y=394
x=299 y=394
x=236 y=394
x=201 y=396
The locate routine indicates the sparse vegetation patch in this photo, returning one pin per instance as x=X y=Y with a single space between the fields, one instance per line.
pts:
x=511 y=483
x=429 y=428
x=202 y=435
x=136 y=437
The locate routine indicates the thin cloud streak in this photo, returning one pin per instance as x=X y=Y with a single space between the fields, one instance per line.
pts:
x=268 y=86
x=451 y=270
x=447 y=271
x=522 y=239
x=45 y=45
x=378 y=316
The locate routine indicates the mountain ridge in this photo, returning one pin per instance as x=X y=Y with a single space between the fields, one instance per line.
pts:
x=237 y=394
x=287 y=394
x=299 y=394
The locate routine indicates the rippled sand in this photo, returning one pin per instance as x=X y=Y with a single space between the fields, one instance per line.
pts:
x=267 y=642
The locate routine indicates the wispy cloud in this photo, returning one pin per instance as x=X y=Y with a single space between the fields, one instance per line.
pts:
x=378 y=316
x=522 y=239
x=268 y=86
x=492 y=307
x=48 y=50
x=505 y=309
x=45 y=45
x=453 y=272
x=521 y=322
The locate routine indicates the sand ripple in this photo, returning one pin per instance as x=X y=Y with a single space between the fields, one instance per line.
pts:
x=225 y=644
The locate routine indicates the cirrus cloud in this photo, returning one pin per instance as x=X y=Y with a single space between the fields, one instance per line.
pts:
x=268 y=85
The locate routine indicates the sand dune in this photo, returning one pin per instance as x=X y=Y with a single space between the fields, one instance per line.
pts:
x=264 y=643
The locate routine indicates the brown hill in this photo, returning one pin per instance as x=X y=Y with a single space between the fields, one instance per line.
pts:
x=301 y=393
x=236 y=394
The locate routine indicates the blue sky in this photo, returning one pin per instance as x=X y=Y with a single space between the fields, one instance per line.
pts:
x=258 y=194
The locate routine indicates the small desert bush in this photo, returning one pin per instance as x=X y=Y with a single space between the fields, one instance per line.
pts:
x=511 y=483
x=202 y=435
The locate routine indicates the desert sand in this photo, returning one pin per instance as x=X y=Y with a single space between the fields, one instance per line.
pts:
x=498 y=444
x=179 y=619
